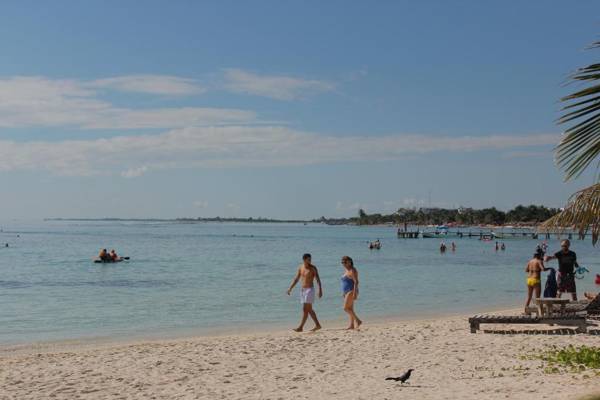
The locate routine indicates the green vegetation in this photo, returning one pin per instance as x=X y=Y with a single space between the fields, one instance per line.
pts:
x=591 y=397
x=529 y=215
x=578 y=149
x=571 y=359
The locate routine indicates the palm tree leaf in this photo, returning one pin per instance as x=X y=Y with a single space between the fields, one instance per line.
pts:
x=582 y=214
x=582 y=93
x=578 y=148
x=597 y=98
x=581 y=143
x=579 y=113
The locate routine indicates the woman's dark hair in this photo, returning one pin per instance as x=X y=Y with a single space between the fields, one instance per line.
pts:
x=346 y=258
x=305 y=256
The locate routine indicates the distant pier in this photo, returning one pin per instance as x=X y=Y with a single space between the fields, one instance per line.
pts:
x=408 y=235
x=490 y=234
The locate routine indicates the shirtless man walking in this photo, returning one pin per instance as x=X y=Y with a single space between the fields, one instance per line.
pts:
x=308 y=273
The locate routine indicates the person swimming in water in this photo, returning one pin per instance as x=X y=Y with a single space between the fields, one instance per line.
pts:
x=350 y=291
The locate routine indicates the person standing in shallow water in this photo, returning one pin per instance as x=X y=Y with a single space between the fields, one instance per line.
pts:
x=534 y=269
x=567 y=262
x=307 y=273
x=350 y=291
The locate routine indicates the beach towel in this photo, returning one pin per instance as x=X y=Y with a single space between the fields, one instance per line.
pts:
x=551 y=286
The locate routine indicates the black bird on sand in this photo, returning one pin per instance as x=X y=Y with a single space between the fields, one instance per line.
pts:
x=402 y=378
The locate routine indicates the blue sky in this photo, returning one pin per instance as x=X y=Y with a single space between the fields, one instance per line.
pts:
x=283 y=109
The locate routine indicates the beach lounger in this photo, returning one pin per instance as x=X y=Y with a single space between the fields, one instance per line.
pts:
x=575 y=314
x=564 y=320
x=584 y=307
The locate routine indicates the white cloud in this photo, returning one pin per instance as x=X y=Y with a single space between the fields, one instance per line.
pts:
x=410 y=202
x=152 y=84
x=528 y=154
x=168 y=118
x=390 y=206
x=134 y=172
x=276 y=87
x=340 y=206
x=38 y=101
x=233 y=208
x=234 y=146
x=200 y=204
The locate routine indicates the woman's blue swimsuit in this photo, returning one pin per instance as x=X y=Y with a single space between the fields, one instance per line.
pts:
x=347 y=284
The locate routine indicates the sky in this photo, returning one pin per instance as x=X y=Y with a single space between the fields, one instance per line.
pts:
x=284 y=109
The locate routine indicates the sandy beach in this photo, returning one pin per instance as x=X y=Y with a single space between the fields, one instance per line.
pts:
x=449 y=362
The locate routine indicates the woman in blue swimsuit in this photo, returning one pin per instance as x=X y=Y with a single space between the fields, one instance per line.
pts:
x=350 y=291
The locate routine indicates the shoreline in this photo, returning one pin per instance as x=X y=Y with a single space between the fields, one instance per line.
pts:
x=333 y=363
x=247 y=329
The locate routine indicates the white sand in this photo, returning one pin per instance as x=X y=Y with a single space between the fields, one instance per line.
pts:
x=449 y=363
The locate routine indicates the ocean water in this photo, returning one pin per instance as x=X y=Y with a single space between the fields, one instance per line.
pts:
x=197 y=277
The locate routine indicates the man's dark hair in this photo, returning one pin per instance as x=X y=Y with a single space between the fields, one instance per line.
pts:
x=306 y=255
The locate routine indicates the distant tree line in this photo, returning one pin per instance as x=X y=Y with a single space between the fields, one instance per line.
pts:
x=412 y=216
x=464 y=216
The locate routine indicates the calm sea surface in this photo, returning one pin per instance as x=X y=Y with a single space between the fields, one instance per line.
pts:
x=200 y=277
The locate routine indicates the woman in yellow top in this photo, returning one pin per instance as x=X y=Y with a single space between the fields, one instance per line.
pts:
x=534 y=268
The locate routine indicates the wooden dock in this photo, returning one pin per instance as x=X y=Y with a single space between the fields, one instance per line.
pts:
x=408 y=235
x=493 y=235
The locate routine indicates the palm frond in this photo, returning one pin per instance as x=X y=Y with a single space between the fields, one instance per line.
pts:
x=582 y=213
x=580 y=144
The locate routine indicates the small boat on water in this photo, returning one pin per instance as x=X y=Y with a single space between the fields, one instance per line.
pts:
x=109 y=261
x=375 y=245
x=439 y=233
x=433 y=235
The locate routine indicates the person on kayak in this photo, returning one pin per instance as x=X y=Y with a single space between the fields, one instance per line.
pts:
x=104 y=256
x=113 y=255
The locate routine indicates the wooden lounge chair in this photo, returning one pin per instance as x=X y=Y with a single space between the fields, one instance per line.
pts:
x=557 y=319
x=584 y=307
x=575 y=314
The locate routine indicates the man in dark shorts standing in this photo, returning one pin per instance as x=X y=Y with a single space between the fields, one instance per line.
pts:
x=567 y=262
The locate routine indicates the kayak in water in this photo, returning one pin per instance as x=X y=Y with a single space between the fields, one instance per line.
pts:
x=106 y=257
x=109 y=261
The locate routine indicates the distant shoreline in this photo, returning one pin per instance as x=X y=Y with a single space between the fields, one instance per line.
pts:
x=186 y=220
x=520 y=216
x=291 y=221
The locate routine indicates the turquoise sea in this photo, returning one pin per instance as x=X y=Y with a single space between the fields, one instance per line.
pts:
x=192 y=278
